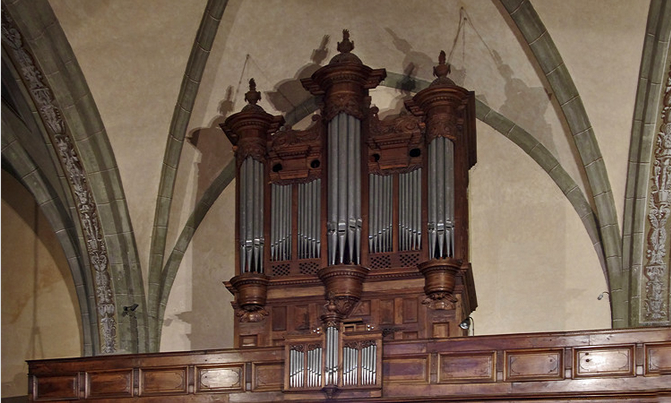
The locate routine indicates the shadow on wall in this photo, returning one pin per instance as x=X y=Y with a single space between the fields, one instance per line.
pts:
x=288 y=94
x=415 y=65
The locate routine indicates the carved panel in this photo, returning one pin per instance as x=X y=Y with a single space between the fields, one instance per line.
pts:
x=656 y=269
x=267 y=376
x=109 y=383
x=467 y=367
x=363 y=309
x=63 y=387
x=296 y=154
x=603 y=361
x=394 y=143
x=163 y=381
x=658 y=358
x=220 y=378
x=533 y=365
x=301 y=318
x=413 y=369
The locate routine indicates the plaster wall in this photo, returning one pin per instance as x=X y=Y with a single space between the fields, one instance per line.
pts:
x=40 y=312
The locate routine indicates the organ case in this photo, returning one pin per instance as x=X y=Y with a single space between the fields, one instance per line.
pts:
x=354 y=230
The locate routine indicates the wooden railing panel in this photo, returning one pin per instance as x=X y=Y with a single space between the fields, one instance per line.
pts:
x=616 y=365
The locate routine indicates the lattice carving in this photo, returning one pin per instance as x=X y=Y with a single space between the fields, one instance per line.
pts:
x=380 y=262
x=308 y=268
x=279 y=270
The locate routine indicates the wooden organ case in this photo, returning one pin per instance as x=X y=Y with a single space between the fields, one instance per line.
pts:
x=353 y=231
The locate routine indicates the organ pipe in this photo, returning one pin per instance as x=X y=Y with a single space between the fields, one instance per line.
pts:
x=344 y=189
x=441 y=198
x=251 y=216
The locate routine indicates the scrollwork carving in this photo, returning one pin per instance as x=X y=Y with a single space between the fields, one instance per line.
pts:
x=86 y=207
x=656 y=269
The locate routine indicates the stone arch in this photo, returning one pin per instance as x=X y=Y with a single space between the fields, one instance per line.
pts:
x=36 y=43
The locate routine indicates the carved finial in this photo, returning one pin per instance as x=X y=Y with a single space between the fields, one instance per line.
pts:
x=253 y=96
x=442 y=69
x=346 y=45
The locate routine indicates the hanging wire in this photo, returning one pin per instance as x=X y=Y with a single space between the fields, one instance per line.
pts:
x=464 y=18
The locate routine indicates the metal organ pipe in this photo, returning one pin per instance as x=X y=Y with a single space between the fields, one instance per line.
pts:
x=280 y=225
x=441 y=198
x=309 y=203
x=251 y=216
x=380 y=213
x=331 y=355
x=344 y=202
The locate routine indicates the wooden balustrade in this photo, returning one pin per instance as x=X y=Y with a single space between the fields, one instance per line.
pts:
x=613 y=365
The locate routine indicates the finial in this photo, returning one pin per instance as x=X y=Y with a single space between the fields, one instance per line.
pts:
x=442 y=69
x=253 y=96
x=346 y=45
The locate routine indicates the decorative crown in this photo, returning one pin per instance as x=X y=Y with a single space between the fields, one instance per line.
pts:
x=346 y=45
x=252 y=96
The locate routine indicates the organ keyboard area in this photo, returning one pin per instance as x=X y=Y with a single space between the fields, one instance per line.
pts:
x=353 y=216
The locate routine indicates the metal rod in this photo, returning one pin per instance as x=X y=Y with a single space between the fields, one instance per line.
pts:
x=432 y=199
x=440 y=193
x=357 y=190
x=449 y=195
x=332 y=208
x=244 y=173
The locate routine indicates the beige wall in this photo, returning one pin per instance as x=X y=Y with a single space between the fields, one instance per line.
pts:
x=40 y=313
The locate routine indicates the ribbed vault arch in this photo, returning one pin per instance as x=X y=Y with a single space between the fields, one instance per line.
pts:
x=19 y=164
x=31 y=28
x=540 y=43
x=646 y=110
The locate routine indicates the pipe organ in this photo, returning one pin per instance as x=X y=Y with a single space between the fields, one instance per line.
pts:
x=355 y=230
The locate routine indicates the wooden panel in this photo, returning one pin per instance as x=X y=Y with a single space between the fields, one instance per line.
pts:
x=249 y=340
x=467 y=367
x=220 y=378
x=163 y=381
x=407 y=369
x=279 y=318
x=267 y=376
x=62 y=387
x=301 y=318
x=658 y=358
x=603 y=361
x=110 y=383
x=363 y=309
x=441 y=330
x=409 y=310
x=386 y=311
x=533 y=365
